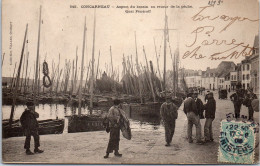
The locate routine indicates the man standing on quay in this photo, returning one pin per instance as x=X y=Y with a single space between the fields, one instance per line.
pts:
x=114 y=126
x=237 y=99
x=30 y=126
x=199 y=104
x=190 y=109
x=169 y=114
x=210 y=111
x=249 y=97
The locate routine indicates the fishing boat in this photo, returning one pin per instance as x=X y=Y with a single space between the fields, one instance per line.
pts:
x=80 y=122
x=147 y=109
x=84 y=123
x=48 y=126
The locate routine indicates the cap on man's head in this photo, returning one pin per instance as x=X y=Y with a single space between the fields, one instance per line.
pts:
x=211 y=93
x=29 y=103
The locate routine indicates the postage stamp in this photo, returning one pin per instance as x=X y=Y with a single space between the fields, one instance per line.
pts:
x=237 y=142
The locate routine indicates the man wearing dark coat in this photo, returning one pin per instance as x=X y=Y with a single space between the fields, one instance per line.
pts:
x=237 y=99
x=206 y=96
x=210 y=110
x=114 y=116
x=30 y=126
x=250 y=96
x=190 y=109
x=199 y=104
x=169 y=114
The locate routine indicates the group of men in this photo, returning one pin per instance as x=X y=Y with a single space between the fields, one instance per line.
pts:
x=243 y=97
x=194 y=109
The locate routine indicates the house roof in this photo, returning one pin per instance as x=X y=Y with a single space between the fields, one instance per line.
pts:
x=226 y=65
x=210 y=71
x=224 y=74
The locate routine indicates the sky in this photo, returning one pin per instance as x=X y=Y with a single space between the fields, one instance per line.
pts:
x=62 y=31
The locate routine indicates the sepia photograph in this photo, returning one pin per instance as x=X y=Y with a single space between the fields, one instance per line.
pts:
x=130 y=82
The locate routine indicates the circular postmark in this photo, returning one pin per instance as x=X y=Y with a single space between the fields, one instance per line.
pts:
x=237 y=139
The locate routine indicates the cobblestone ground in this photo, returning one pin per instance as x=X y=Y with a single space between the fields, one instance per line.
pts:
x=145 y=146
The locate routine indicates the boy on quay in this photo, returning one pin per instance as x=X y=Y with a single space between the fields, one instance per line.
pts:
x=210 y=110
x=169 y=114
x=30 y=126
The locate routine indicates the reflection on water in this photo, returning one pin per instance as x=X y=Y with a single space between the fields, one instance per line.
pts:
x=46 y=111
x=53 y=111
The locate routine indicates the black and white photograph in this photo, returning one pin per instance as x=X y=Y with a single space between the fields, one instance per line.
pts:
x=130 y=82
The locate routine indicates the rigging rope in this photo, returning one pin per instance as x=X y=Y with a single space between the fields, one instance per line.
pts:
x=46 y=83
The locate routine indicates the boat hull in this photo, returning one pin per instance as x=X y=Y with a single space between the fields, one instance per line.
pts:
x=84 y=123
x=148 y=109
x=49 y=126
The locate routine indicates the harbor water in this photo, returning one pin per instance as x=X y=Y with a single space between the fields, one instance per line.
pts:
x=53 y=111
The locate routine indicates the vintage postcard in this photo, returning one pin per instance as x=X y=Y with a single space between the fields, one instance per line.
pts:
x=130 y=81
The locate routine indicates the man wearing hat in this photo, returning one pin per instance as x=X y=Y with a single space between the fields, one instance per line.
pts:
x=169 y=114
x=114 y=126
x=30 y=125
x=237 y=99
x=190 y=109
x=210 y=111
x=199 y=104
x=249 y=97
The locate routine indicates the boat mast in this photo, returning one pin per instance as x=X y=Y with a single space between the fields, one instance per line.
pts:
x=139 y=74
x=25 y=82
x=58 y=76
x=97 y=65
x=13 y=79
x=17 y=80
x=72 y=76
x=92 y=75
x=112 y=70
x=158 y=68
x=173 y=69
x=149 y=76
x=76 y=71
x=177 y=61
x=82 y=64
x=37 y=60
x=164 y=51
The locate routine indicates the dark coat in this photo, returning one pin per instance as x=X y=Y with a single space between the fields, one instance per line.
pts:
x=28 y=120
x=190 y=106
x=210 y=108
x=237 y=98
x=248 y=99
x=200 y=107
x=206 y=97
x=169 y=112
